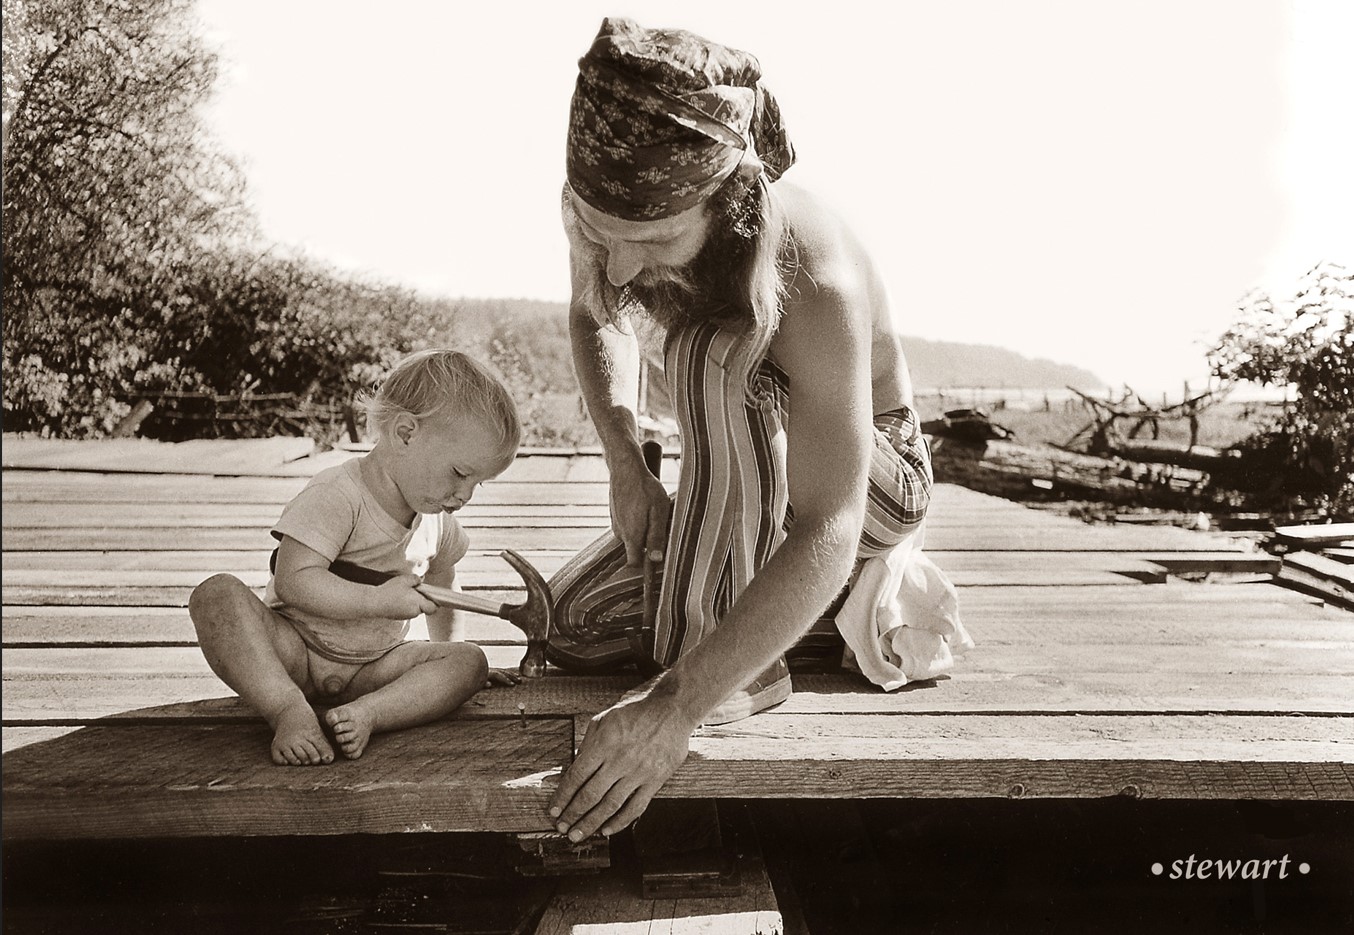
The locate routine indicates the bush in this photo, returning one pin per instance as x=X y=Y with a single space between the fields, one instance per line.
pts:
x=1305 y=457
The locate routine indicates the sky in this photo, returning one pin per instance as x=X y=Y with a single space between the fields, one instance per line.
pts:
x=1094 y=183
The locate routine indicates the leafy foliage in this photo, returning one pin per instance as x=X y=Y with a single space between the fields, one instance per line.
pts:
x=1306 y=344
x=133 y=269
x=114 y=205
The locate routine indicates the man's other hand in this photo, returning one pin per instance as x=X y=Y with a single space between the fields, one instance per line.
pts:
x=630 y=750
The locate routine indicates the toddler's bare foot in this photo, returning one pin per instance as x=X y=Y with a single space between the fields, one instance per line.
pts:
x=352 y=724
x=298 y=739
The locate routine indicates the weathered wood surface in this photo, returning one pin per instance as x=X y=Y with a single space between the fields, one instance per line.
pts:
x=44 y=504
x=108 y=578
x=1166 y=615
x=217 y=779
x=1095 y=672
x=47 y=697
x=1317 y=534
x=927 y=756
x=210 y=456
x=1320 y=575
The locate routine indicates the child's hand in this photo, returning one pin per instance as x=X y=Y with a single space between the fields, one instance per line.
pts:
x=503 y=677
x=398 y=599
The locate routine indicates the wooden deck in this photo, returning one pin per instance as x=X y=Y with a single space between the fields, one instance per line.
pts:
x=1141 y=661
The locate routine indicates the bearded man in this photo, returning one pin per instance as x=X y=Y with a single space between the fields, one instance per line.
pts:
x=801 y=452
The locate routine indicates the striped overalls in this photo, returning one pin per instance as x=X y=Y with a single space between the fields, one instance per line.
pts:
x=731 y=509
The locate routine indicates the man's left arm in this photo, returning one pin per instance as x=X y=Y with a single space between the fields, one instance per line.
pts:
x=632 y=749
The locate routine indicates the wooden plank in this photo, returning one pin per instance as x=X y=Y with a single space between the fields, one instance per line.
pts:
x=1185 y=564
x=26 y=487
x=951 y=508
x=115 y=514
x=194 y=780
x=966 y=690
x=232 y=456
x=139 y=454
x=151 y=660
x=49 y=585
x=1319 y=575
x=65 y=487
x=87 y=457
x=1057 y=737
x=56 y=454
x=1145 y=609
x=1159 y=609
x=170 y=538
x=1175 y=598
x=55 y=625
x=134 y=596
x=1236 y=660
x=124 y=515
x=12 y=738
x=1317 y=534
x=204 y=563
x=502 y=533
x=783 y=757
x=216 y=779
x=46 y=693
x=205 y=699
x=480 y=572
x=484 y=559
x=33 y=515
x=38 y=626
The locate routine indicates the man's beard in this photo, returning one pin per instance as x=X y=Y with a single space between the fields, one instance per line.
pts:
x=705 y=289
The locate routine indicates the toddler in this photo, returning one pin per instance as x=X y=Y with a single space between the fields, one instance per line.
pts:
x=444 y=425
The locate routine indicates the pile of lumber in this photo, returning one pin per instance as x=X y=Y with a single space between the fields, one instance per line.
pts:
x=1318 y=559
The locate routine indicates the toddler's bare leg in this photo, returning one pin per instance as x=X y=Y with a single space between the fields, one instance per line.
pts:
x=264 y=661
x=412 y=684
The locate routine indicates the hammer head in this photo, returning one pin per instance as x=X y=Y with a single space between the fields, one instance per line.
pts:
x=535 y=617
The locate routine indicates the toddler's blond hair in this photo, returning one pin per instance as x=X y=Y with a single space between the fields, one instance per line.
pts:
x=427 y=382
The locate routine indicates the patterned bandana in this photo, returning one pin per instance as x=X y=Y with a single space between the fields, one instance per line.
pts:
x=661 y=117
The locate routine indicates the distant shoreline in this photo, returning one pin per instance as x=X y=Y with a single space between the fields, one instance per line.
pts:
x=985 y=395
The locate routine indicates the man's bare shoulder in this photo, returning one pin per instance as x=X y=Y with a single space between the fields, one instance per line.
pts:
x=828 y=258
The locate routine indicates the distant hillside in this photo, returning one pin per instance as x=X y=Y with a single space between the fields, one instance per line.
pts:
x=944 y=364
x=935 y=364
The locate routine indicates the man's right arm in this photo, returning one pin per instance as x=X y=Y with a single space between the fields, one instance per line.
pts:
x=607 y=361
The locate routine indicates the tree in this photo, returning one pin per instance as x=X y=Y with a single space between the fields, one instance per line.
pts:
x=114 y=201
x=1304 y=343
x=132 y=267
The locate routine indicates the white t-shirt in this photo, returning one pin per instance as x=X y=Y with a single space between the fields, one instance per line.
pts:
x=338 y=516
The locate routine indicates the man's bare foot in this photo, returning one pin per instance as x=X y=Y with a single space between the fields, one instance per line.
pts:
x=352 y=724
x=298 y=739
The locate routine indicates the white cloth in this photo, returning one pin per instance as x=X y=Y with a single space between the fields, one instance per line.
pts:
x=901 y=620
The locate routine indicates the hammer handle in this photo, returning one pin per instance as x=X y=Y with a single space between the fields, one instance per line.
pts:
x=460 y=600
x=443 y=596
x=537 y=630
x=653 y=460
x=653 y=457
